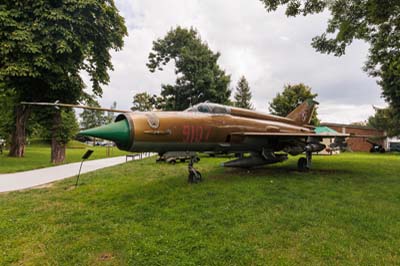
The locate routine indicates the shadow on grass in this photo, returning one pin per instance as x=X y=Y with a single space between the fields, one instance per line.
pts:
x=286 y=172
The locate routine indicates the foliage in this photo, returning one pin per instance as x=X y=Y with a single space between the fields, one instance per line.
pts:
x=343 y=212
x=92 y=118
x=243 y=94
x=7 y=121
x=142 y=102
x=199 y=78
x=376 y=22
x=386 y=119
x=42 y=118
x=45 y=45
x=69 y=126
x=291 y=97
x=6 y=111
x=110 y=116
x=359 y=123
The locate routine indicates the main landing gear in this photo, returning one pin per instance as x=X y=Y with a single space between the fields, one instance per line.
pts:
x=194 y=175
x=304 y=164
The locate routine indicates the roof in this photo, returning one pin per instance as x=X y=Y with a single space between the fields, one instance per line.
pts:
x=325 y=129
x=348 y=126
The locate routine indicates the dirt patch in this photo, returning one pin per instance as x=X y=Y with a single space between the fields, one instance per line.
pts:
x=48 y=185
x=106 y=256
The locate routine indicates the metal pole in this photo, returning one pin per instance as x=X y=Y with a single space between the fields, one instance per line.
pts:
x=77 y=179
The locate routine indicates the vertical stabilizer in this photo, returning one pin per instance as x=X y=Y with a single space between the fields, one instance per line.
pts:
x=303 y=113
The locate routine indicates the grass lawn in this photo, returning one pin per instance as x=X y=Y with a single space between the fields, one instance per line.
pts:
x=344 y=212
x=37 y=155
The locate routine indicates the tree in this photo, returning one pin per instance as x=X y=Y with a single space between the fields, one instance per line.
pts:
x=92 y=118
x=66 y=129
x=6 y=121
x=44 y=47
x=110 y=117
x=199 y=76
x=243 y=94
x=385 y=119
x=291 y=97
x=376 y=22
x=145 y=102
x=142 y=102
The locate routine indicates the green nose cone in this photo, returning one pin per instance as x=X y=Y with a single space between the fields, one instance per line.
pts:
x=119 y=132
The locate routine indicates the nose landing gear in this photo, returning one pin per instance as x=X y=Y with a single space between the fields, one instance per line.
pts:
x=194 y=175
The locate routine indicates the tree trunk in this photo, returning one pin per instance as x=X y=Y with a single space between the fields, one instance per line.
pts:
x=18 y=136
x=57 y=147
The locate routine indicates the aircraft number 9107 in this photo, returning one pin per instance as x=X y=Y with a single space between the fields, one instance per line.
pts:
x=196 y=134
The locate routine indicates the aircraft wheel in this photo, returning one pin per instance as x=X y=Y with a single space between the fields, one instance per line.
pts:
x=302 y=164
x=195 y=177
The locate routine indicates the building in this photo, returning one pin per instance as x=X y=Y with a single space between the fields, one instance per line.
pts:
x=393 y=144
x=324 y=130
x=362 y=136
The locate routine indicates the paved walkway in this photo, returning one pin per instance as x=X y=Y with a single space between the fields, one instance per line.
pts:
x=33 y=178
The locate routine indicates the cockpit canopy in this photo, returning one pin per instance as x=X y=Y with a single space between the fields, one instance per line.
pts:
x=211 y=108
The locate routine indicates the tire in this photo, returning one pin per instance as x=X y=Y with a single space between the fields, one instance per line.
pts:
x=182 y=160
x=302 y=164
x=191 y=178
x=199 y=178
x=172 y=162
x=195 y=179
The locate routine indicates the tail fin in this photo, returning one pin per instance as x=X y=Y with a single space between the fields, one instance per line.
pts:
x=303 y=113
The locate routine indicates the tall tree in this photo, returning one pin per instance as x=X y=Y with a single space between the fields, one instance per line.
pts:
x=145 y=102
x=199 y=76
x=385 y=119
x=6 y=121
x=92 y=118
x=142 y=102
x=67 y=128
x=291 y=97
x=109 y=118
x=243 y=94
x=376 y=22
x=44 y=46
x=66 y=131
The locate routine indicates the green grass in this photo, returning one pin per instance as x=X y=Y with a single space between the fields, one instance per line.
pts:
x=37 y=155
x=344 y=212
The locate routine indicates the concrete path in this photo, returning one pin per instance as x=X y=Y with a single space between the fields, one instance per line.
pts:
x=33 y=178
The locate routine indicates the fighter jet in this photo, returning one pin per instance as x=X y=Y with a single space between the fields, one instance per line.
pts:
x=259 y=138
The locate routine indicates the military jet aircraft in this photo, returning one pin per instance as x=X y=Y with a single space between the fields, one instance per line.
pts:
x=210 y=127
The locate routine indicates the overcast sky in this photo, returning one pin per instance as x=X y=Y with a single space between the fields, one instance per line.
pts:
x=268 y=48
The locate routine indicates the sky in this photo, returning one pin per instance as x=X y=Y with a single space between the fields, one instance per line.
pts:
x=269 y=49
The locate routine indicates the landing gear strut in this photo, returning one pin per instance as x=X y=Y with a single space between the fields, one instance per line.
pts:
x=304 y=164
x=194 y=175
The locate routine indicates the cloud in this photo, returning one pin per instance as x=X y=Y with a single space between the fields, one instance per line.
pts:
x=268 y=48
